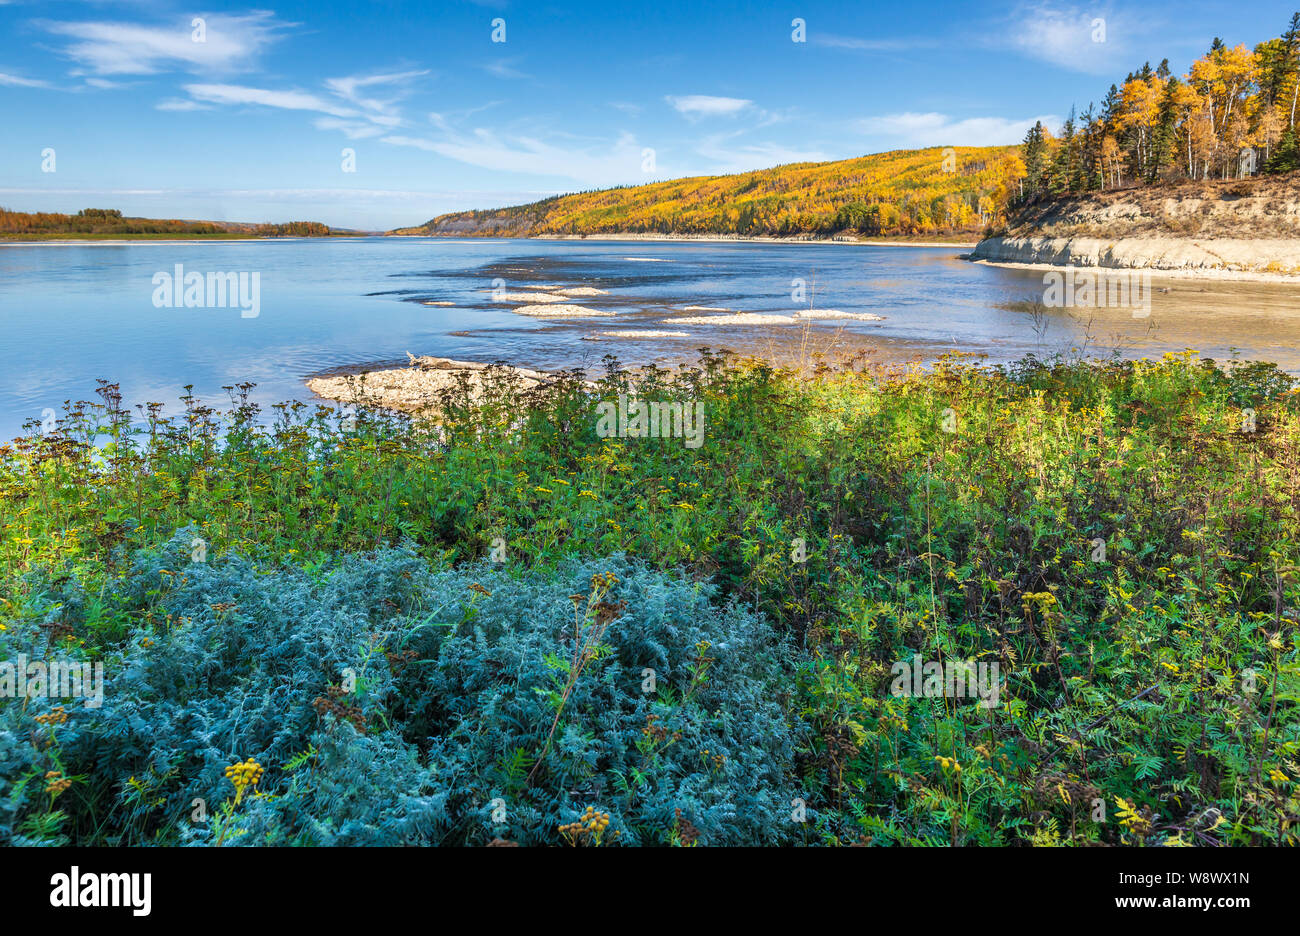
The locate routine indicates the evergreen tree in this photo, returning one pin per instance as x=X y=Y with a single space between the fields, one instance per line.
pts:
x=1164 y=143
x=1090 y=176
x=1035 y=156
x=1061 y=171
x=1291 y=40
x=1287 y=155
x=1110 y=106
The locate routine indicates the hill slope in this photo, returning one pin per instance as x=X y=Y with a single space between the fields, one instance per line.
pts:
x=904 y=192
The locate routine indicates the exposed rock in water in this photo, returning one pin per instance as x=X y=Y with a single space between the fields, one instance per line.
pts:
x=528 y=297
x=582 y=291
x=735 y=318
x=638 y=334
x=837 y=314
x=559 y=311
x=418 y=388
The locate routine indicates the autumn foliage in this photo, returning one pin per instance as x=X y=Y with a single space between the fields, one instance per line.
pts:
x=99 y=222
x=953 y=190
x=1232 y=115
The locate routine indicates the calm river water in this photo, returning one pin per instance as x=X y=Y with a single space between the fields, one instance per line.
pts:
x=71 y=314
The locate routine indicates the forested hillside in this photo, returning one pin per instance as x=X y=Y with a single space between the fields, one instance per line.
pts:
x=952 y=190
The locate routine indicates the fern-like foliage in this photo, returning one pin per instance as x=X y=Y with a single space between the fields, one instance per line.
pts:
x=394 y=704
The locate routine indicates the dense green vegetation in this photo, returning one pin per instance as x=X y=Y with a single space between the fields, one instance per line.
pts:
x=927 y=192
x=348 y=631
x=94 y=223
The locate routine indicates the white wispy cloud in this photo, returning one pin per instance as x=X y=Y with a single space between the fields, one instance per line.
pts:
x=17 y=81
x=707 y=105
x=353 y=129
x=355 y=122
x=81 y=191
x=934 y=129
x=873 y=45
x=180 y=104
x=444 y=120
x=1094 y=41
x=727 y=156
x=265 y=97
x=505 y=68
x=595 y=164
x=230 y=43
x=349 y=111
x=1051 y=31
x=351 y=88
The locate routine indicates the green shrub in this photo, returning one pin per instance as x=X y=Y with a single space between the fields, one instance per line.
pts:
x=1158 y=679
x=391 y=704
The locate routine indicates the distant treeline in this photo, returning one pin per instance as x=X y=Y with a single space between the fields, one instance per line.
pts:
x=1232 y=115
x=293 y=229
x=109 y=221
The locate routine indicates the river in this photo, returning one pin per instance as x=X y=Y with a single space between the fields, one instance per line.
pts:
x=73 y=313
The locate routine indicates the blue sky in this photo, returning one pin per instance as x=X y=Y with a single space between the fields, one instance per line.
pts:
x=250 y=124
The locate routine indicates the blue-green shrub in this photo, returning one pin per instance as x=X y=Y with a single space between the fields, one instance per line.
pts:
x=393 y=704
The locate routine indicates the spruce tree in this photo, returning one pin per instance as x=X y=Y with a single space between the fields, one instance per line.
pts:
x=1164 y=144
x=1287 y=155
x=1035 y=156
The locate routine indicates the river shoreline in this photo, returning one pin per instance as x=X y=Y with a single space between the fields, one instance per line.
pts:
x=1202 y=275
x=703 y=239
x=167 y=242
x=726 y=238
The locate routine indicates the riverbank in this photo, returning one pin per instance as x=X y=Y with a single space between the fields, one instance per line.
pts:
x=1233 y=229
x=714 y=239
x=167 y=241
x=726 y=238
x=118 y=241
x=1264 y=260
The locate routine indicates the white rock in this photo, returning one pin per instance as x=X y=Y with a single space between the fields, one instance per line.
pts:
x=559 y=311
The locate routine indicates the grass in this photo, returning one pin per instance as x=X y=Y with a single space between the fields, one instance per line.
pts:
x=1119 y=537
